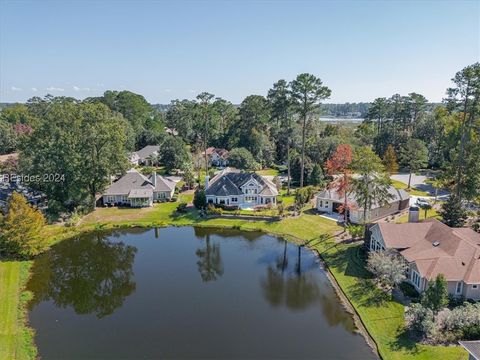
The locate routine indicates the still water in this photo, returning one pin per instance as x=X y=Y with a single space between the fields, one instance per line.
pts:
x=187 y=293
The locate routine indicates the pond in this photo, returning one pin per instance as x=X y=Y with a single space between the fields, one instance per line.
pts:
x=187 y=293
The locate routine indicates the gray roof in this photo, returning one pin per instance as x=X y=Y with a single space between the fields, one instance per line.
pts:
x=140 y=193
x=333 y=195
x=163 y=184
x=147 y=151
x=133 y=180
x=473 y=347
x=229 y=183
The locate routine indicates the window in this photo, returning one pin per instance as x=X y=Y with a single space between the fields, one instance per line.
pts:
x=210 y=201
x=416 y=278
x=459 y=287
x=474 y=286
x=320 y=203
x=234 y=199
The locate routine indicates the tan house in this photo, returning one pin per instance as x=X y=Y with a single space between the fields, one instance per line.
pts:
x=137 y=190
x=431 y=248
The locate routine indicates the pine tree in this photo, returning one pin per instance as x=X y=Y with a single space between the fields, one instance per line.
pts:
x=435 y=297
x=390 y=160
x=316 y=177
x=21 y=229
x=452 y=212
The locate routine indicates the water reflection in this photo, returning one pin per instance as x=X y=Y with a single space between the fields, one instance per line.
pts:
x=292 y=288
x=210 y=265
x=294 y=285
x=92 y=274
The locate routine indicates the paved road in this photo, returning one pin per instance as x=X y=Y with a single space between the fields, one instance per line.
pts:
x=419 y=182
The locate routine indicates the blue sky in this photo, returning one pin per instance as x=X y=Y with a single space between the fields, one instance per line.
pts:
x=167 y=50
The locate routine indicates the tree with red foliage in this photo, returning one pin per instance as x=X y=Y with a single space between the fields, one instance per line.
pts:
x=339 y=164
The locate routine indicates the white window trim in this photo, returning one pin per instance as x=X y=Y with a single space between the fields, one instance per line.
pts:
x=457 y=290
x=416 y=275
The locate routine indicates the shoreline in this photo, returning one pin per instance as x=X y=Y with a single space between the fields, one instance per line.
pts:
x=300 y=230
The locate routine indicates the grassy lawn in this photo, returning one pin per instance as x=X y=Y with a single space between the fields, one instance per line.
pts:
x=383 y=320
x=382 y=317
x=412 y=191
x=430 y=213
x=16 y=339
x=268 y=172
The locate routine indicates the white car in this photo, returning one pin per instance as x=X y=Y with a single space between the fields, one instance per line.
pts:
x=422 y=202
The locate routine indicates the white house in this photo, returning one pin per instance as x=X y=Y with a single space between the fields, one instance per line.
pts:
x=431 y=248
x=137 y=190
x=244 y=190
x=145 y=156
x=217 y=156
x=330 y=201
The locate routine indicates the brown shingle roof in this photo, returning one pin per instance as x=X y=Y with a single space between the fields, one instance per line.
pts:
x=436 y=249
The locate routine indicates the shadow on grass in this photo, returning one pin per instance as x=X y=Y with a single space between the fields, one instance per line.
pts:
x=405 y=341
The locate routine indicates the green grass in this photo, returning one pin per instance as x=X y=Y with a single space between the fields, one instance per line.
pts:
x=382 y=317
x=384 y=321
x=16 y=338
x=268 y=172
x=412 y=191
x=430 y=213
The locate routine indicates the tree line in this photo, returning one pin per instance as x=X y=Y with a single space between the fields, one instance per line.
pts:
x=89 y=141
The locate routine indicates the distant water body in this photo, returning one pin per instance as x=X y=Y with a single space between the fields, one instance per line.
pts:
x=331 y=119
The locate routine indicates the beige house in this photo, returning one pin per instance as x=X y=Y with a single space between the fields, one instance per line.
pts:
x=137 y=190
x=431 y=248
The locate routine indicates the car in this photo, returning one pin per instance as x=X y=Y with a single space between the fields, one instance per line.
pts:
x=422 y=202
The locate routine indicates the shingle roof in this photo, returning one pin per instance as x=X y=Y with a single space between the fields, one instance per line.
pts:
x=436 y=248
x=140 y=193
x=228 y=183
x=133 y=180
x=333 y=195
x=163 y=184
x=147 y=151
x=473 y=347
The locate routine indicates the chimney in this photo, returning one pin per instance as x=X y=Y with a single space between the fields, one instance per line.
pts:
x=154 y=179
x=413 y=214
x=207 y=179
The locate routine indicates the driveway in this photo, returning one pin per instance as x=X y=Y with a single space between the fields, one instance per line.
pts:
x=419 y=182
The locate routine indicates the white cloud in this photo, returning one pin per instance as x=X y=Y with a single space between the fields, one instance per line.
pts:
x=34 y=89
x=76 y=88
x=53 y=88
x=14 y=88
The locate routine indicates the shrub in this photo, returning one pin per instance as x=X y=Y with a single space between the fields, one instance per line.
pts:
x=73 y=219
x=409 y=290
x=304 y=195
x=199 y=199
x=212 y=210
x=388 y=267
x=420 y=319
x=182 y=208
x=356 y=231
